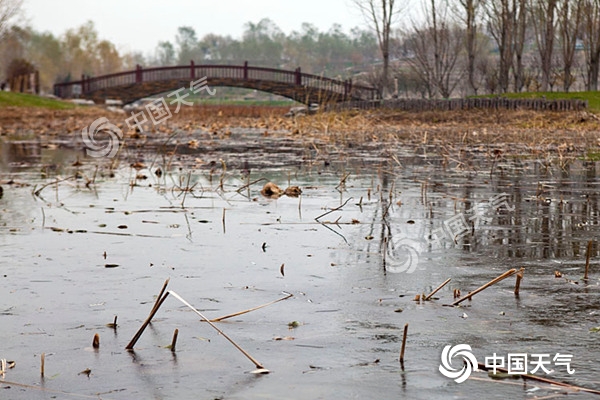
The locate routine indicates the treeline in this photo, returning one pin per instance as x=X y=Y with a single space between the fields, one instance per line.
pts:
x=80 y=50
x=454 y=48
x=497 y=46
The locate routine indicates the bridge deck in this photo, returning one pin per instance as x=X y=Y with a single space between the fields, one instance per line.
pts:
x=142 y=82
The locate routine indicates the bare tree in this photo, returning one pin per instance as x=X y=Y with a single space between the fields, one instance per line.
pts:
x=543 y=18
x=8 y=10
x=468 y=12
x=436 y=47
x=520 y=31
x=500 y=16
x=591 y=38
x=569 y=15
x=380 y=16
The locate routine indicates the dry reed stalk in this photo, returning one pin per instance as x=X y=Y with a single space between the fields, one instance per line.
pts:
x=251 y=309
x=174 y=341
x=587 y=259
x=519 y=278
x=247 y=185
x=96 y=341
x=490 y=283
x=259 y=367
x=223 y=220
x=42 y=364
x=186 y=189
x=159 y=300
x=437 y=288
x=541 y=379
x=403 y=345
x=333 y=209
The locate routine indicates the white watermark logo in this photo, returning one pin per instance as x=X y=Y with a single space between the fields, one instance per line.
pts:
x=158 y=110
x=102 y=126
x=402 y=255
x=515 y=363
x=469 y=362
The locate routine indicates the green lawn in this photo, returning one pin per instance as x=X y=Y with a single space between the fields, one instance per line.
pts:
x=593 y=98
x=11 y=99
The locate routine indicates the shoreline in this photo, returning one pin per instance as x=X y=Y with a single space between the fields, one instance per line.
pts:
x=539 y=131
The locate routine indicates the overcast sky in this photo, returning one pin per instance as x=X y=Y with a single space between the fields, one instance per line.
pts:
x=140 y=25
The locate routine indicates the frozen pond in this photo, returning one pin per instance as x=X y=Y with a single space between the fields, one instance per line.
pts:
x=375 y=226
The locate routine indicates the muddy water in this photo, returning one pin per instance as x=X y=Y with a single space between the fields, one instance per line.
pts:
x=375 y=226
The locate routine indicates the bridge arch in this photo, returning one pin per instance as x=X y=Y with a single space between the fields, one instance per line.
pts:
x=130 y=86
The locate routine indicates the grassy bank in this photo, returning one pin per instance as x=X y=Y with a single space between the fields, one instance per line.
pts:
x=593 y=98
x=11 y=99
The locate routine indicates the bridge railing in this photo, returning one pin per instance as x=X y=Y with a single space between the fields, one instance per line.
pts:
x=192 y=72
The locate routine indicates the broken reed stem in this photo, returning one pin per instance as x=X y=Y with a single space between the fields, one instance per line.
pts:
x=437 y=288
x=541 y=379
x=57 y=181
x=247 y=185
x=96 y=341
x=519 y=278
x=250 y=309
x=333 y=209
x=174 y=341
x=223 y=220
x=587 y=260
x=403 y=344
x=186 y=189
x=254 y=361
x=159 y=300
x=162 y=291
x=490 y=283
x=42 y=364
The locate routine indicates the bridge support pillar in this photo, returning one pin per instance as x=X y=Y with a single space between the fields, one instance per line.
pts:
x=192 y=70
x=245 y=70
x=298 y=75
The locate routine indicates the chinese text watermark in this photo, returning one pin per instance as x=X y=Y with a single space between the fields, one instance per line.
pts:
x=158 y=110
x=515 y=363
x=402 y=254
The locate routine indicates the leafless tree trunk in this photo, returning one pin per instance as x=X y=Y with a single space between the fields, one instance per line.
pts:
x=436 y=47
x=543 y=13
x=569 y=14
x=8 y=10
x=591 y=37
x=519 y=36
x=501 y=24
x=380 y=16
x=468 y=12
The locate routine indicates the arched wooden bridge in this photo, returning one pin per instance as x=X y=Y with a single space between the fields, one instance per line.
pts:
x=141 y=82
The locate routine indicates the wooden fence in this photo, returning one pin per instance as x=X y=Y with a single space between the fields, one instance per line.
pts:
x=495 y=103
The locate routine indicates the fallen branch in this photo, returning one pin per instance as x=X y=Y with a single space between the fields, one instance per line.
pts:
x=490 y=283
